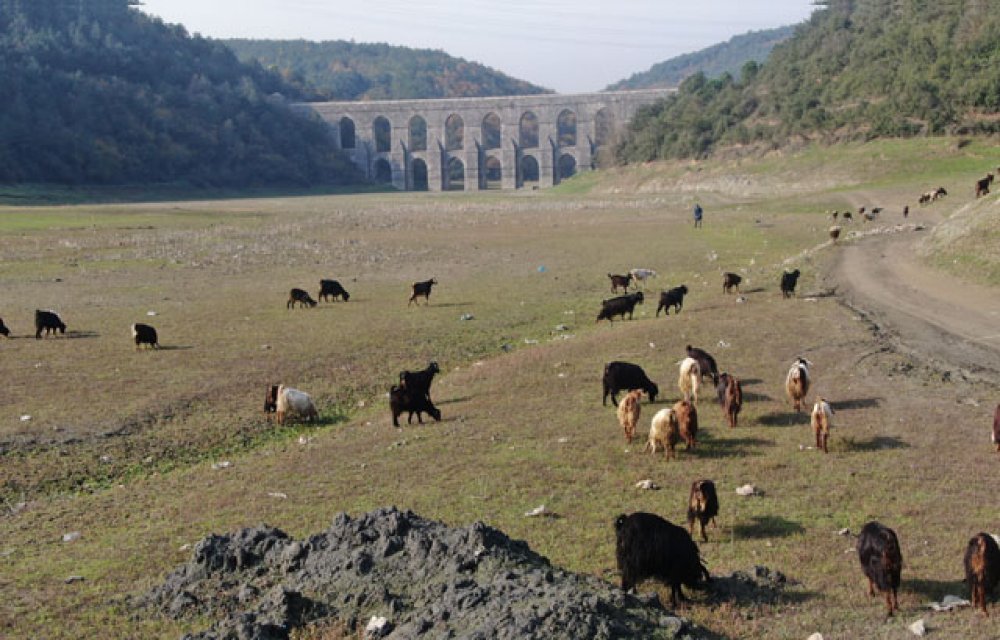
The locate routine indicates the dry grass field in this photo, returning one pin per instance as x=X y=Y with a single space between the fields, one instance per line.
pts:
x=122 y=445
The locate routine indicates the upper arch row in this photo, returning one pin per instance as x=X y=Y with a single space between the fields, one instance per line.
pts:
x=490 y=130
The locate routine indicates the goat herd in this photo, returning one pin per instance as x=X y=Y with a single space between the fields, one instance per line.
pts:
x=649 y=546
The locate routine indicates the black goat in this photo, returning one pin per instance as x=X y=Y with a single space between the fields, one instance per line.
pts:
x=788 y=281
x=4 y=331
x=672 y=298
x=647 y=546
x=619 y=376
x=619 y=307
x=881 y=561
x=145 y=334
x=49 y=321
x=421 y=289
x=419 y=382
x=300 y=296
x=620 y=281
x=401 y=400
x=730 y=280
x=333 y=288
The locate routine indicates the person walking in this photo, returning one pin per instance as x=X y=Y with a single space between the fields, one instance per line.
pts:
x=698 y=213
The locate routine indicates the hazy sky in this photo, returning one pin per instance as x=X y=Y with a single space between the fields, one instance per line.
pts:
x=569 y=46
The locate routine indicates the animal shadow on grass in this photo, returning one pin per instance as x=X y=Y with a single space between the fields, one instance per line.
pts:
x=444 y=305
x=758 y=586
x=709 y=447
x=455 y=400
x=856 y=403
x=175 y=347
x=784 y=418
x=746 y=382
x=73 y=335
x=877 y=443
x=763 y=527
x=936 y=589
x=755 y=290
x=750 y=396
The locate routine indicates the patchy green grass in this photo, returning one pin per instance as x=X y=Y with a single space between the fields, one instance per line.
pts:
x=121 y=444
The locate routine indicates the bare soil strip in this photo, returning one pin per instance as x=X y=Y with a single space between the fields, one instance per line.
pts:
x=953 y=324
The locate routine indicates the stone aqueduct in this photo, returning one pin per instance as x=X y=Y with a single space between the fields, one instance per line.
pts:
x=479 y=143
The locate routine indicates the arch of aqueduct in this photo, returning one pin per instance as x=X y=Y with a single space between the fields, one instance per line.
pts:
x=479 y=143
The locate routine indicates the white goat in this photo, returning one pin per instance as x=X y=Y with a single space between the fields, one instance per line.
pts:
x=641 y=275
x=822 y=420
x=296 y=401
x=663 y=431
x=689 y=380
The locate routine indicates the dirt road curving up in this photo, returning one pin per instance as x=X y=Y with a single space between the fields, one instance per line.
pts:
x=953 y=324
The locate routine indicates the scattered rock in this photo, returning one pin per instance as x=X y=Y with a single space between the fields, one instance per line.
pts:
x=467 y=316
x=562 y=327
x=530 y=341
x=426 y=579
x=647 y=484
x=724 y=345
x=747 y=490
x=224 y=464
x=72 y=579
x=25 y=418
x=918 y=628
x=948 y=603
x=71 y=536
x=815 y=636
x=844 y=532
x=151 y=313
x=563 y=440
x=741 y=299
x=277 y=494
x=540 y=510
x=377 y=627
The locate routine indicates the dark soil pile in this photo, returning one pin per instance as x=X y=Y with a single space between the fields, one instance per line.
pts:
x=426 y=579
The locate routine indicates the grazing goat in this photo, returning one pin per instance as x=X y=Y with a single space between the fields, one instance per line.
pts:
x=641 y=275
x=788 y=281
x=401 y=400
x=982 y=568
x=835 y=233
x=49 y=321
x=983 y=186
x=731 y=280
x=291 y=400
x=687 y=422
x=672 y=298
x=689 y=379
x=419 y=382
x=421 y=289
x=333 y=288
x=625 y=375
x=620 y=281
x=822 y=420
x=797 y=382
x=703 y=505
x=300 y=296
x=940 y=192
x=996 y=428
x=647 y=546
x=619 y=306
x=144 y=334
x=271 y=399
x=848 y=216
x=834 y=215
x=925 y=197
x=4 y=331
x=705 y=361
x=881 y=561
x=628 y=413
x=731 y=397
x=663 y=431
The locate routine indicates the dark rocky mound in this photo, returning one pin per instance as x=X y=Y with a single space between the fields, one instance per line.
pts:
x=427 y=579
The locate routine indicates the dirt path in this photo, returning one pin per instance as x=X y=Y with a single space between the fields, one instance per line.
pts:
x=953 y=324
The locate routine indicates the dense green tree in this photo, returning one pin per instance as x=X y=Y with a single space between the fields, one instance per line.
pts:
x=342 y=70
x=856 y=69
x=95 y=91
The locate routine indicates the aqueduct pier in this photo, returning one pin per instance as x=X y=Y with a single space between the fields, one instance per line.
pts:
x=480 y=143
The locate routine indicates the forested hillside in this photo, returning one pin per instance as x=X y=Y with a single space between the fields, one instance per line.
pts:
x=350 y=71
x=725 y=57
x=97 y=92
x=856 y=69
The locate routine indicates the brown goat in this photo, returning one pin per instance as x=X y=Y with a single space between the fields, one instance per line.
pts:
x=982 y=568
x=703 y=506
x=732 y=398
x=628 y=413
x=821 y=418
x=687 y=422
x=620 y=281
x=996 y=428
x=983 y=186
